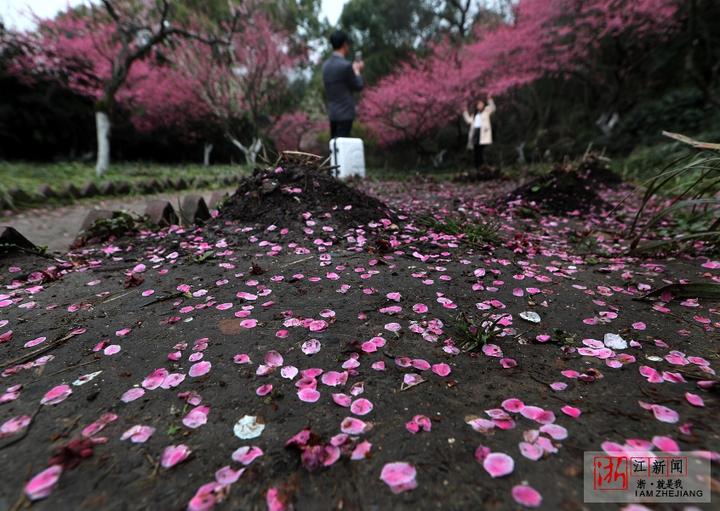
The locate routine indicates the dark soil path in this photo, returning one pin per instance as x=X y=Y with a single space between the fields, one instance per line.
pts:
x=171 y=370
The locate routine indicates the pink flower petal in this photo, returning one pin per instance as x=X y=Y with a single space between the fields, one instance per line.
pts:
x=112 y=349
x=554 y=431
x=498 y=464
x=276 y=501
x=342 y=400
x=666 y=444
x=665 y=414
x=200 y=369
x=155 y=379
x=227 y=475
x=361 y=451
x=207 y=496
x=56 y=395
x=172 y=381
x=571 y=411
x=138 y=434
x=513 y=405
x=174 y=454
x=538 y=414
x=412 y=379
x=311 y=347
x=274 y=359
x=399 y=476
x=481 y=453
x=361 y=406
x=35 y=342
x=317 y=325
x=132 y=395
x=420 y=364
x=508 y=363
x=196 y=417
x=43 y=483
x=441 y=369
x=14 y=425
x=481 y=425
x=492 y=350
x=694 y=399
x=246 y=454
x=308 y=395
x=248 y=323
x=526 y=496
x=264 y=390
x=242 y=358
x=289 y=372
x=94 y=428
x=531 y=451
x=353 y=426
x=334 y=378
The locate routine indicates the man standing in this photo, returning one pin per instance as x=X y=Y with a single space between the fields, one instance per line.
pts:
x=341 y=79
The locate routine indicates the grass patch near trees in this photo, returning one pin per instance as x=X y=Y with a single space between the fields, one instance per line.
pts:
x=21 y=184
x=30 y=176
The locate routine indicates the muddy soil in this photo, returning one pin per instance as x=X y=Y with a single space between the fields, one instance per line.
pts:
x=568 y=187
x=131 y=313
x=292 y=194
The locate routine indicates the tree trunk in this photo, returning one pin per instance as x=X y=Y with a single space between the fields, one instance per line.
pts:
x=251 y=153
x=206 y=154
x=102 y=126
x=608 y=122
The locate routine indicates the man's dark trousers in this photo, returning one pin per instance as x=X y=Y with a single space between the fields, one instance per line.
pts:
x=340 y=128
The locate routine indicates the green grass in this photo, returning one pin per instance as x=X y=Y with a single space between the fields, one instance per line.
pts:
x=30 y=176
x=478 y=331
x=645 y=162
x=476 y=233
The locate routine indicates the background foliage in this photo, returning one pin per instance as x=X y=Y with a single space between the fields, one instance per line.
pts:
x=431 y=57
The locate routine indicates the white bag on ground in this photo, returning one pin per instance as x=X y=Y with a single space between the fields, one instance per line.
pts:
x=349 y=155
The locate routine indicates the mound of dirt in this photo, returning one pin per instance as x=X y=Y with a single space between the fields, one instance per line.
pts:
x=568 y=187
x=596 y=169
x=284 y=196
x=557 y=192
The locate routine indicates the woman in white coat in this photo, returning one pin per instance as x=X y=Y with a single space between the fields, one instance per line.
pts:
x=480 y=131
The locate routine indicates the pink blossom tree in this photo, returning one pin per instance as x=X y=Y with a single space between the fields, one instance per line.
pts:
x=596 y=41
x=241 y=82
x=96 y=51
x=296 y=131
x=161 y=97
x=417 y=100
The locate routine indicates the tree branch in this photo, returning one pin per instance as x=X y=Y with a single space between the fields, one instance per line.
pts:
x=111 y=10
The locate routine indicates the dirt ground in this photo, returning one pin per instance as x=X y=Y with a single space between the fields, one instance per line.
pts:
x=352 y=335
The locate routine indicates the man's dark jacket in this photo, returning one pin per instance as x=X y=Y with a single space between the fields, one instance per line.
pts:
x=340 y=82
